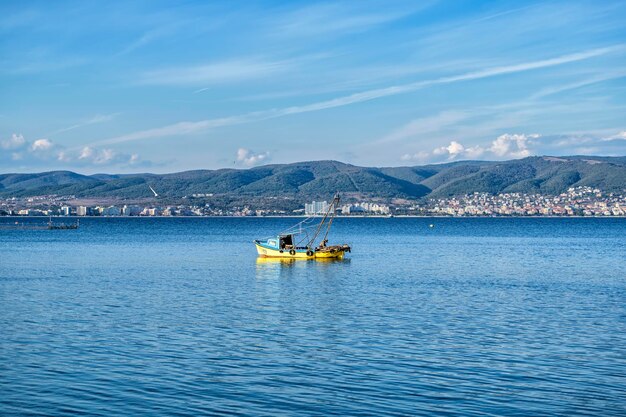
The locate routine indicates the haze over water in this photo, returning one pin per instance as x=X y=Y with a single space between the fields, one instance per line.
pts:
x=172 y=316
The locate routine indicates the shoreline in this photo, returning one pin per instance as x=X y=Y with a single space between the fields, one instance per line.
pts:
x=301 y=217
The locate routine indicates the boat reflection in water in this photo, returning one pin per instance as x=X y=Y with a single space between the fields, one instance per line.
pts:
x=286 y=262
x=297 y=243
x=272 y=268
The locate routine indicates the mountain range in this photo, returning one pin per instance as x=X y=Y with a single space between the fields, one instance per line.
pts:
x=320 y=179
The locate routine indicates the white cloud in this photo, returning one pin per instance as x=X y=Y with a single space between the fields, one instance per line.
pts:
x=16 y=141
x=514 y=146
x=62 y=156
x=22 y=149
x=504 y=146
x=41 y=145
x=86 y=153
x=474 y=152
x=106 y=156
x=250 y=158
x=453 y=150
x=44 y=149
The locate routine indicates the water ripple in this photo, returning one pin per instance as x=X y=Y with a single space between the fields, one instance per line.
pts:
x=168 y=317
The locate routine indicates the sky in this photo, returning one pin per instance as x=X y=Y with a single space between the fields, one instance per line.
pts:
x=165 y=86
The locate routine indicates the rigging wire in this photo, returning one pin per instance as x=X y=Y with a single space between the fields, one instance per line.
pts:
x=333 y=208
x=297 y=229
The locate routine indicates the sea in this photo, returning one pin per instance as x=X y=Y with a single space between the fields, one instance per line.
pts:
x=426 y=316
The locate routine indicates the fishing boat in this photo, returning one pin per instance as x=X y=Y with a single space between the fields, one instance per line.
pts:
x=297 y=243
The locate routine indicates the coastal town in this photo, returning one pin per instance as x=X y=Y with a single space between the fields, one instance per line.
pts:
x=578 y=201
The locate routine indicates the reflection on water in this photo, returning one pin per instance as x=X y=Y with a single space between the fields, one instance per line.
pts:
x=280 y=267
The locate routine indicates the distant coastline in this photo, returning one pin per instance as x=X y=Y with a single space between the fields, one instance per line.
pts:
x=400 y=216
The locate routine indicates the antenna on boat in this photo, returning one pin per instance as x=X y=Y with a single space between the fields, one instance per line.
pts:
x=333 y=208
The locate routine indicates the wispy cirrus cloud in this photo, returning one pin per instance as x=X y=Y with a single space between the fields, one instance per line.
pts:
x=181 y=128
x=40 y=65
x=578 y=84
x=187 y=127
x=337 y=19
x=99 y=118
x=426 y=125
x=619 y=136
x=218 y=72
x=159 y=32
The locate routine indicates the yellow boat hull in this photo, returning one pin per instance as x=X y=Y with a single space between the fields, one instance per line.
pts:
x=299 y=254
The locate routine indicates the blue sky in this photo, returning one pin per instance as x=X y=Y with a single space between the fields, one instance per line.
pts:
x=159 y=86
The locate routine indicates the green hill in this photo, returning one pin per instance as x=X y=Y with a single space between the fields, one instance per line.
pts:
x=320 y=179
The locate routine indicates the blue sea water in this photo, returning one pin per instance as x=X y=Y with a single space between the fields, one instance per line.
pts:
x=175 y=316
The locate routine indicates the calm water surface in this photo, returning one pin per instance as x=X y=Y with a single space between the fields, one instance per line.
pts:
x=177 y=317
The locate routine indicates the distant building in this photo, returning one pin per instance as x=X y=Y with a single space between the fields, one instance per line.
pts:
x=111 y=211
x=365 y=208
x=150 y=211
x=316 y=208
x=169 y=211
x=81 y=211
x=185 y=211
x=66 y=210
x=131 y=210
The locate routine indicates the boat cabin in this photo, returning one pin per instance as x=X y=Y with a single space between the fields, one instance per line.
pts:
x=285 y=242
x=282 y=242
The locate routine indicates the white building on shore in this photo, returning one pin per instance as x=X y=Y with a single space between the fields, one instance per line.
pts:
x=316 y=208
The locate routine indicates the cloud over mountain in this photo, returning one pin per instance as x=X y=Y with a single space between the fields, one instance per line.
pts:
x=508 y=145
x=249 y=158
x=17 y=149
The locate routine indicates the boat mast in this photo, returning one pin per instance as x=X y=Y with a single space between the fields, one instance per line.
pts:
x=330 y=222
x=333 y=208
